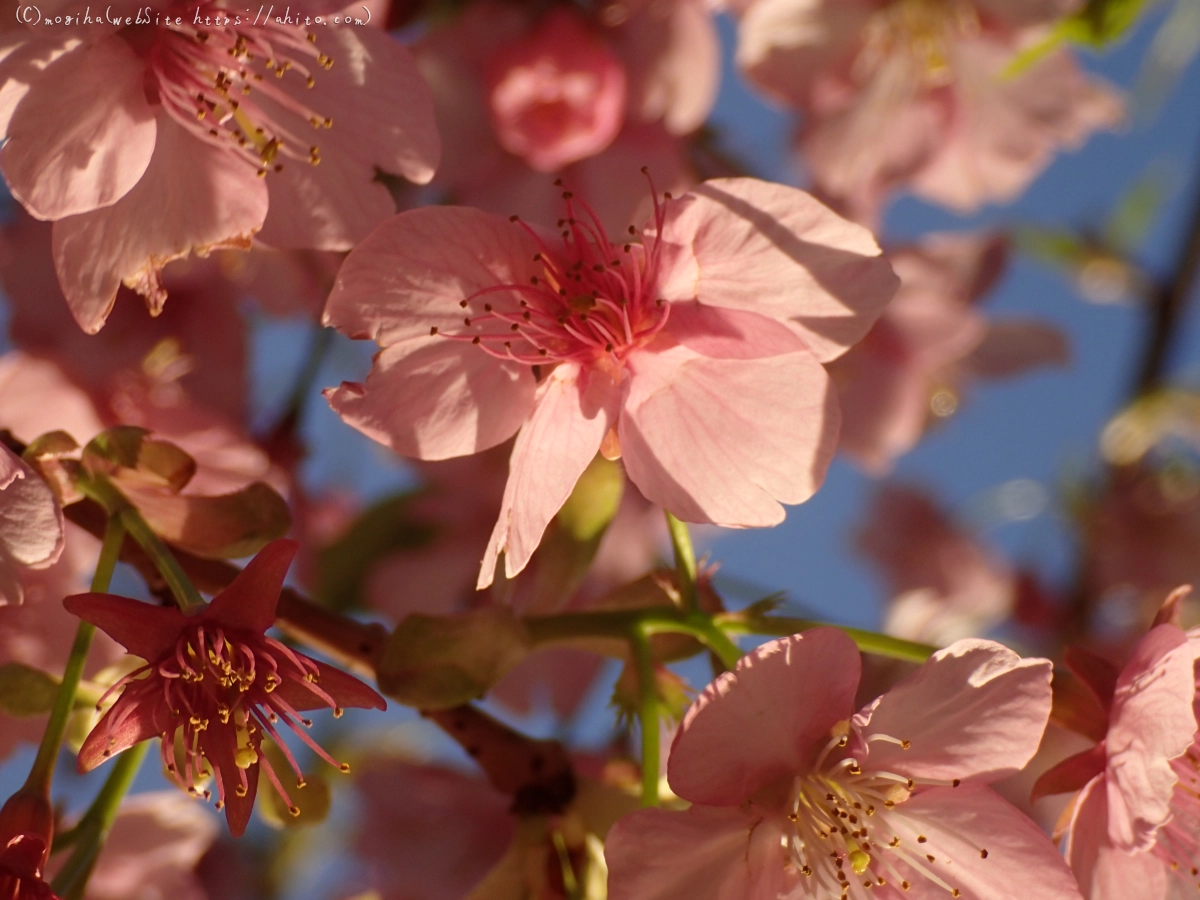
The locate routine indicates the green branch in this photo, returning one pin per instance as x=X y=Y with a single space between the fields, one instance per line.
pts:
x=42 y=771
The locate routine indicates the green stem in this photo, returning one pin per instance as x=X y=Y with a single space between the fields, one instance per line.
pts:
x=42 y=772
x=116 y=505
x=185 y=592
x=867 y=641
x=685 y=560
x=92 y=830
x=647 y=715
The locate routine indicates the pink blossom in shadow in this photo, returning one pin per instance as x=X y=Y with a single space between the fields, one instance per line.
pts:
x=941 y=582
x=31 y=525
x=39 y=633
x=439 y=842
x=931 y=343
x=916 y=94
x=794 y=794
x=150 y=143
x=156 y=842
x=1143 y=530
x=593 y=98
x=557 y=95
x=1132 y=828
x=693 y=352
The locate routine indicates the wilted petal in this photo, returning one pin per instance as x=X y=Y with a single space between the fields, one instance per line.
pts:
x=974 y=710
x=727 y=440
x=192 y=198
x=764 y=720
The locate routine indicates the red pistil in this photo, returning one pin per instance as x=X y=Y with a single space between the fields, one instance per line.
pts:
x=594 y=300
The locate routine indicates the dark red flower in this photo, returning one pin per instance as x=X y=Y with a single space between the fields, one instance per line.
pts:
x=21 y=860
x=217 y=677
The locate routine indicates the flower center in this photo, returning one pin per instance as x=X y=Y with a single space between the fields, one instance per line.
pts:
x=842 y=839
x=923 y=30
x=225 y=84
x=221 y=687
x=593 y=302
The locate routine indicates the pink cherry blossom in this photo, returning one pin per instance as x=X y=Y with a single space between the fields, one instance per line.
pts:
x=557 y=95
x=697 y=343
x=794 y=794
x=31 y=524
x=1134 y=824
x=931 y=343
x=942 y=583
x=915 y=93
x=154 y=142
x=520 y=92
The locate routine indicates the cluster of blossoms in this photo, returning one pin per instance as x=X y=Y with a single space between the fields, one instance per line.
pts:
x=595 y=327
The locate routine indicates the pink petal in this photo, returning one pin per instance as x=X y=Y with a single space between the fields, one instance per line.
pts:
x=382 y=119
x=980 y=845
x=974 y=710
x=144 y=630
x=37 y=397
x=672 y=55
x=435 y=398
x=1007 y=130
x=192 y=198
x=721 y=333
x=1103 y=871
x=249 y=601
x=699 y=854
x=764 y=720
x=573 y=412
x=412 y=272
x=786 y=46
x=83 y=134
x=777 y=251
x=1152 y=722
x=727 y=440
x=31 y=521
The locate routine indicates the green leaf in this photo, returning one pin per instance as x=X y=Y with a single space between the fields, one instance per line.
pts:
x=437 y=662
x=227 y=526
x=25 y=691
